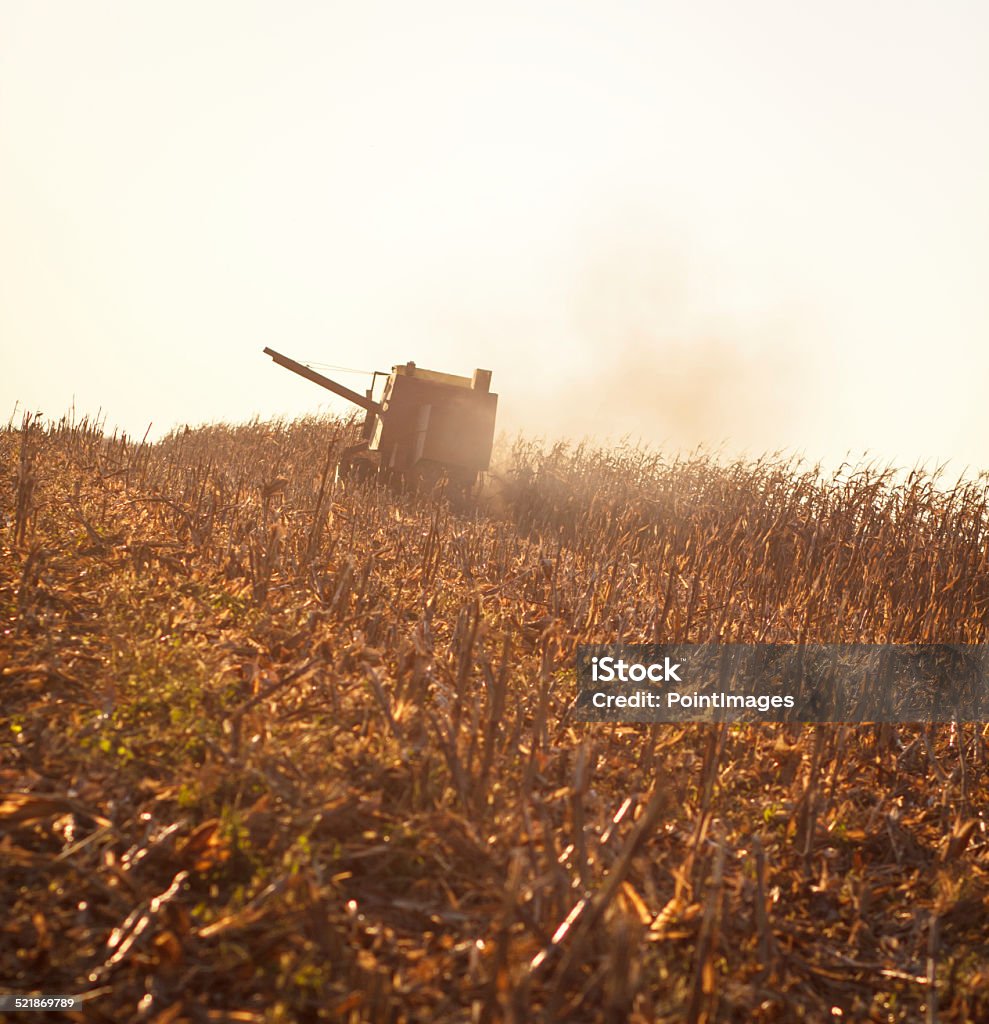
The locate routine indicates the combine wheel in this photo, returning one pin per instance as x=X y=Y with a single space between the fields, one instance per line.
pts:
x=426 y=476
x=429 y=478
x=356 y=464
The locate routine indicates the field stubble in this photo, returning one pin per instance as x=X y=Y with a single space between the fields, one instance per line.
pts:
x=289 y=750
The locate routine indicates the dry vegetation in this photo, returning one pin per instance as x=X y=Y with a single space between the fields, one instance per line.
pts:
x=275 y=750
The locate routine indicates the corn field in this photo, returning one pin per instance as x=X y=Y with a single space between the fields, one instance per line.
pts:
x=277 y=748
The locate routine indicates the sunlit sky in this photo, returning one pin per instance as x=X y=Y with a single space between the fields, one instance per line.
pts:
x=760 y=225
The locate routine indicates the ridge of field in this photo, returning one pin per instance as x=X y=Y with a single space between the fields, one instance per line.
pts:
x=276 y=748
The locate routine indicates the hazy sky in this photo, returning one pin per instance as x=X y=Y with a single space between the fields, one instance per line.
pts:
x=766 y=223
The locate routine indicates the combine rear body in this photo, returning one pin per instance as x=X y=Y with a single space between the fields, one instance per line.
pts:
x=426 y=426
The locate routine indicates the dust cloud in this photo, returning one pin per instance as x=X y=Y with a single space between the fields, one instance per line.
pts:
x=659 y=352
x=708 y=391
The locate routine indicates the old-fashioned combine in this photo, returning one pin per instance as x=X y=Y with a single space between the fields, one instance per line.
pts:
x=425 y=427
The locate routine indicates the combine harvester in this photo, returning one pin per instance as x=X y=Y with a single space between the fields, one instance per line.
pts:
x=427 y=426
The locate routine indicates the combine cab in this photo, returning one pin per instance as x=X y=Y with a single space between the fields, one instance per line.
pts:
x=427 y=426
